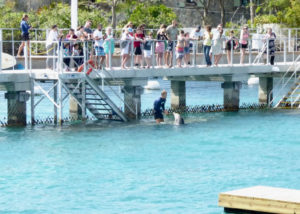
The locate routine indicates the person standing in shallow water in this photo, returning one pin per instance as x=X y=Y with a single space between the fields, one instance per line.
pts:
x=159 y=107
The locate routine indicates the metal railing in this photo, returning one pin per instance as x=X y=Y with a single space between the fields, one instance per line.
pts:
x=284 y=81
x=37 y=50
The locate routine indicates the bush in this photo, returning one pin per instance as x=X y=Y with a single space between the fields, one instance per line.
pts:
x=152 y=15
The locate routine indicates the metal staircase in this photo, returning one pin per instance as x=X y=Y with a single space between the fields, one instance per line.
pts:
x=89 y=96
x=289 y=87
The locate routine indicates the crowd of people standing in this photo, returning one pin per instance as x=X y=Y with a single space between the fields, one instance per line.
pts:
x=170 y=43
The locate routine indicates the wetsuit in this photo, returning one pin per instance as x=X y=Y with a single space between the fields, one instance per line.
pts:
x=159 y=107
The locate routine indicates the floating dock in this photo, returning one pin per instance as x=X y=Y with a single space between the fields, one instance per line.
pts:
x=261 y=199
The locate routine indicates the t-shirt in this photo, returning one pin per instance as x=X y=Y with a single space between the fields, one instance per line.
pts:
x=159 y=105
x=207 y=39
x=196 y=35
x=88 y=30
x=147 y=45
x=52 y=37
x=98 y=33
x=139 y=36
x=24 y=27
x=68 y=37
x=172 y=32
x=161 y=37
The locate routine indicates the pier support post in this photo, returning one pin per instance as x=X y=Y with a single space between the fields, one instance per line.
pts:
x=132 y=98
x=74 y=109
x=178 y=94
x=265 y=88
x=16 y=107
x=231 y=95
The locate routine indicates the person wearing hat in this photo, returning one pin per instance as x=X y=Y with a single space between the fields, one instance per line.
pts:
x=197 y=34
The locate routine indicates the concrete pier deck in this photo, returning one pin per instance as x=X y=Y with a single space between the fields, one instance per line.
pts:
x=261 y=199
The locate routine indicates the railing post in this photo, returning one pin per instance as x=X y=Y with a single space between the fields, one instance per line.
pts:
x=289 y=37
x=26 y=56
x=109 y=54
x=231 y=53
x=84 y=57
x=132 y=54
x=30 y=58
x=60 y=112
x=83 y=89
x=32 y=100
x=195 y=44
x=284 y=51
x=268 y=54
x=1 y=48
x=153 y=54
x=212 y=55
x=35 y=34
x=250 y=51
x=174 y=54
x=12 y=42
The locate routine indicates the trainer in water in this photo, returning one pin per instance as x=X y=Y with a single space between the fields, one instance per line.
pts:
x=159 y=107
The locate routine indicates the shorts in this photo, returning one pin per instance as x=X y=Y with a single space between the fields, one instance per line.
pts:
x=158 y=115
x=244 y=45
x=180 y=53
x=186 y=50
x=138 y=51
x=170 y=46
x=99 y=51
x=25 y=37
x=147 y=53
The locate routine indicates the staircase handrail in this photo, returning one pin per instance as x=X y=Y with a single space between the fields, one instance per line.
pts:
x=96 y=88
x=118 y=96
x=281 y=81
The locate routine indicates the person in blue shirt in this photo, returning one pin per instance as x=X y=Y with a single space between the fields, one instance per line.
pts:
x=25 y=27
x=159 y=107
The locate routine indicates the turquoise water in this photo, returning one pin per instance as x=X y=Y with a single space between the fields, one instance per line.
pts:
x=147 y=168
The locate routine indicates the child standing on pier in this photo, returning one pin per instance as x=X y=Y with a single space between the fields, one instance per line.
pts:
x=148 y=49
x=180 y=48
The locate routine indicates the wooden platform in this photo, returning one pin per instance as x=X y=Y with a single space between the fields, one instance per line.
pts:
x=262 y=199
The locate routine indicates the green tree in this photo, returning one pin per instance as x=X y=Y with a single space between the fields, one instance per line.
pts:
x=152 y=15
x=284 y=12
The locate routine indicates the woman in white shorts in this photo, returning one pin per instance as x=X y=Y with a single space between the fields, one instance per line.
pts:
x=125 y=41
x=217 y=47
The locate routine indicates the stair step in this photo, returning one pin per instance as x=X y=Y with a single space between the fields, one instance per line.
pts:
x=97 y=104
x=289 y=102
x=100 y=109
x=93 y=99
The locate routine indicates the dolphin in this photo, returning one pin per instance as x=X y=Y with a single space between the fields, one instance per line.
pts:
x=178 y=119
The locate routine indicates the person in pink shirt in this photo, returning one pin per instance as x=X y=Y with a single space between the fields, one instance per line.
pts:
x=244 y=42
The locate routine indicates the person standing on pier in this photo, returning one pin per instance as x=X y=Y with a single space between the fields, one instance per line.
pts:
x=216 y=49
x=25 y=27
x=244 y=42
x=51 y=45
x=99 y=50
x=270 y=37
x=207 y=42
x=231 y=45
x=172 y=32
x=159 y=107
x=160 y=45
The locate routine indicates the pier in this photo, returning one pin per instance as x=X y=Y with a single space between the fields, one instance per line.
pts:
x=260 y=199
x=86 y=91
